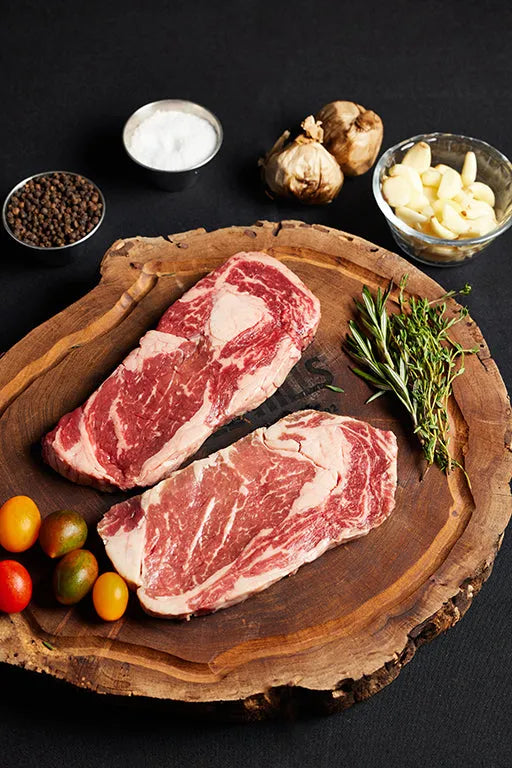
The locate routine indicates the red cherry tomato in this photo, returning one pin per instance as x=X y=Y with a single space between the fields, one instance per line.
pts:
x=15 y=586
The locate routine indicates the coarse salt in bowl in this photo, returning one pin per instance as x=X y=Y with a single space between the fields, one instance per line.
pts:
x=169 y=140
x=172 y=140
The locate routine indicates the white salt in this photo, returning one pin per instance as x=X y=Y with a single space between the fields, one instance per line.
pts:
x=172 y=140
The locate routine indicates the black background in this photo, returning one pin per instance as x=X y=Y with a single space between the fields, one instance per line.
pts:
x=72 y=73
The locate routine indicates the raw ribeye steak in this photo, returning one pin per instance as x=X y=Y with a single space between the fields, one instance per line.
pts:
x=238 y=521
x=222 y=349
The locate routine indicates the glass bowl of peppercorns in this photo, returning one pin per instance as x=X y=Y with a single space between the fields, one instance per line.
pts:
x=53 y=212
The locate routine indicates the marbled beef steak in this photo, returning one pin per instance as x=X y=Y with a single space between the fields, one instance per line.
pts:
x=220 y=350
x=234 y=523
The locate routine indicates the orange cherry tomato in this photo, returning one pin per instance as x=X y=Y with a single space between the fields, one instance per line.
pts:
x=110 y=596
x=15 y=586
x=20 y=521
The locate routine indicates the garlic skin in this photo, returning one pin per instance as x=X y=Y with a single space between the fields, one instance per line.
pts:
x=302 y=168
x=352 y=134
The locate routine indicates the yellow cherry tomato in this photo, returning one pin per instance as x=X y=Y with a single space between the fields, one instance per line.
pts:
x=110 y=596
x=20 y=521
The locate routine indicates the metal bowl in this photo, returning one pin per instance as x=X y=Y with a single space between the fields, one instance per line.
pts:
x=172 y=181
x=59 y=254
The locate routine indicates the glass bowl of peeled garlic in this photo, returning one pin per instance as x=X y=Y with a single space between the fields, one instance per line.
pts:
x=444 y=196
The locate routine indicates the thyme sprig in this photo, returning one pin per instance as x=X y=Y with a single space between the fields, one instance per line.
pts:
x=411 y=355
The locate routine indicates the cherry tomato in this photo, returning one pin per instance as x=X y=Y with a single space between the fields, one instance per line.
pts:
x=62 y=532
x=110 y=596
x=15 y=586
x=20 y=522
x=74 y=576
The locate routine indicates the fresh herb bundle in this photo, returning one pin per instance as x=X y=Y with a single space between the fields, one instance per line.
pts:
x=411 y=355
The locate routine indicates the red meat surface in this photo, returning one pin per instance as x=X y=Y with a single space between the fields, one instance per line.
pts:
x=232 y=524
x=220 y=350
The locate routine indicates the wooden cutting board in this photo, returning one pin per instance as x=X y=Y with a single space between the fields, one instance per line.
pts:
x=343 y=626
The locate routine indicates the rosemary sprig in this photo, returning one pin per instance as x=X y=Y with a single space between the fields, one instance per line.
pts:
x=411 y=355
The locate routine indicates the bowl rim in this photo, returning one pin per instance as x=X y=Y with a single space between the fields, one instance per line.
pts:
x=405 y=228
x=213 y=121
x=49 y=248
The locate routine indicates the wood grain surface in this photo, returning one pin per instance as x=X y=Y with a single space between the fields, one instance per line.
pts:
x=343 y=626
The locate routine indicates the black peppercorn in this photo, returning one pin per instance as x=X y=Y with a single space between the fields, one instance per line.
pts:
x=54 y=210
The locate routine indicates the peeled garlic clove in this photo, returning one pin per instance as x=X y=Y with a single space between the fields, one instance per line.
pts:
x=475 y=209
x=463 y=198
x=481 y=226
x=446 y=252
x=410 y=174
x=409 y=216
x=442 y=168
x=468 y=172
x=418 y=157
x=451 y=183
x=439 y=230
x=438 y=206
x=431 y=177
x=482 y=191
x=430 y=193
x=426 y=228
x=396 y=190
x=454 y=205
x=428 y=211
x=453 y=220
x=352 y=134
x=418 y=200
